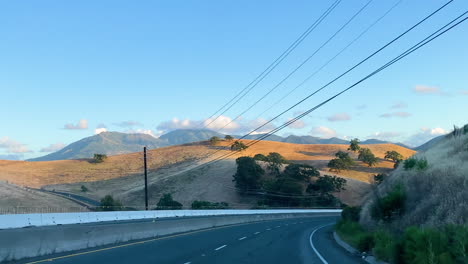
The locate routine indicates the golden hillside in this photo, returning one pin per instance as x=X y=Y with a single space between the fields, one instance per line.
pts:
x=180 y=158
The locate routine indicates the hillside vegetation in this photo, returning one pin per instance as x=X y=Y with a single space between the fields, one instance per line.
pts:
x=436 y=193
x=418 y=213
x=175 y=170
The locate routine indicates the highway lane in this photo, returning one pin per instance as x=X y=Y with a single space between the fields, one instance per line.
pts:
x=279 y=241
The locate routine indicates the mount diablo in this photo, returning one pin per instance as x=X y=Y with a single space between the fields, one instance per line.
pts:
x=114 y=143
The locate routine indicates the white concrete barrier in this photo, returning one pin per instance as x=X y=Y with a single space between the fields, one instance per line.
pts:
x=48 y=219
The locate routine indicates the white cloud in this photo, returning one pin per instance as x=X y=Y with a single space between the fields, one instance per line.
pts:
x=176 y=123
x=396 y=114
x=128 y=124
x=53 y=147
x=298 y=124
x=422 y=89
x=145 y=131
x=12 y=146
x=384 y=135
x=82 y=124
x=464 y=92
x=425 y=134
x=339 y=117
x=99 y=130
x=399 y=105
x=222 y=124
x=324 y=132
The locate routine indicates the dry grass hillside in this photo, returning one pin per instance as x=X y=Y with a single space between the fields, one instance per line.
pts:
x=176 y=170
x=435 y=195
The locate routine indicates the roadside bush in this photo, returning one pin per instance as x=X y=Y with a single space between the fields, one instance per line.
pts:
x=386 y=246
x=423 y=246
x=84 y=189
x=390 y=206
x=350 y=231
x=108 y=203
x=351 y=213
x=167 y=203
x=365 y=242
x=202 y=205
x=419 y=164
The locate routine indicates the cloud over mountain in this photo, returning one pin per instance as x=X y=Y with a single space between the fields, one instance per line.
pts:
x=339 y=117
x=323 y=131
x=82 y=124
x=53 y=147
x=11 y=146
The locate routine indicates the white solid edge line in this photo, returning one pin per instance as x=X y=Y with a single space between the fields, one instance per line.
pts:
x=312 y=243
x=223 y=246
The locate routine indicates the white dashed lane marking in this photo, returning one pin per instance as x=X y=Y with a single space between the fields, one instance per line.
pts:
x=242 y=238
x=223 y=246
x=256 y=233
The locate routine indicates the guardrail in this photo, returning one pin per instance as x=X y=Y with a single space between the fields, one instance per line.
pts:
x=47 y=219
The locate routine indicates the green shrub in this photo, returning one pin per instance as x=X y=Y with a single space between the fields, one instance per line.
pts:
x=422 y=246
x=365 y=242
x=197 y=205
x=84 y=189
x=167 y=203
x=385 y=246
x=108 y=203
x=390 y=206
x=238 y=146
x=351 y=213
x=419 y=164
x=350 y=231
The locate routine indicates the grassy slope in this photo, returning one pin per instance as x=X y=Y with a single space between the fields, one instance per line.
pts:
x=435 y=196
x=18 y=199
x=174 y=169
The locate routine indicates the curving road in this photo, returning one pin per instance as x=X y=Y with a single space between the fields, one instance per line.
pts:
x=279 y=241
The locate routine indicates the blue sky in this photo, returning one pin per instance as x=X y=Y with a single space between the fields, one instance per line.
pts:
x=68 y=68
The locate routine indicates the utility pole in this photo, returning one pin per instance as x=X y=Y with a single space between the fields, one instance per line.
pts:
x=146 y=180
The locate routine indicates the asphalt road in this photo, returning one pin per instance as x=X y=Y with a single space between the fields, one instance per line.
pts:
x=280 y=241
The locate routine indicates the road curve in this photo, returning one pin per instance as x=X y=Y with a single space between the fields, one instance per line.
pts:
x=279 y=241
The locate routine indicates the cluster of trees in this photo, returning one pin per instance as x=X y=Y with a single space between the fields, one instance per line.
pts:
x=344 y=161
x=215 y=140
x=296 y=185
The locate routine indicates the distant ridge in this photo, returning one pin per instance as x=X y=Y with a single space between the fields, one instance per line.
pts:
x=112 y=143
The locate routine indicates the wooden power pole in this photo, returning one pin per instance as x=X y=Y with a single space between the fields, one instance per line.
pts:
x=146 y=180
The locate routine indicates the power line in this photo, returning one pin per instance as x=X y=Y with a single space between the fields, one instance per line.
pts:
x=352 y=68
x=347 y=71
x=331 y=60
x=420 y=44
x=301 y=64
x=273 y=65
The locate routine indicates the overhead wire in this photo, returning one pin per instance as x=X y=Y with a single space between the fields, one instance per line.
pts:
x=300 y=65
x=272 y=66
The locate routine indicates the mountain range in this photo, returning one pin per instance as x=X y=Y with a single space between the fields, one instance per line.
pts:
x=113 y=143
